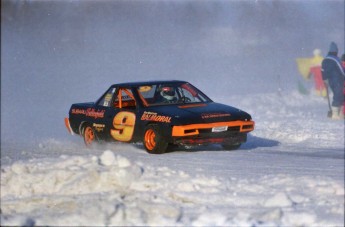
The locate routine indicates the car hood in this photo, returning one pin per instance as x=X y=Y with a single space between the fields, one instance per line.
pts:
x=200 y=113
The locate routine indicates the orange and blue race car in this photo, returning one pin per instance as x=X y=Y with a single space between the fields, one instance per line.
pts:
x=159 y=114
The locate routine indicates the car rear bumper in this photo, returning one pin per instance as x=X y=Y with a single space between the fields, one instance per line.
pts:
x=68 y=126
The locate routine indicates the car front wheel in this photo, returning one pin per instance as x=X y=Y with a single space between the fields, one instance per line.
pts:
x=153 y=140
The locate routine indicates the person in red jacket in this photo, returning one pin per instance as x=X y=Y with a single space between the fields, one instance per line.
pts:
x=343 y=64
x=315 y=70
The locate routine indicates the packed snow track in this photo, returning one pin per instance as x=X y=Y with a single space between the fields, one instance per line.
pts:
x=280 y=177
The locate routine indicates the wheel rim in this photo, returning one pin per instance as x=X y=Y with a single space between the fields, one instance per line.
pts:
x=150 y=142
x=89 y=136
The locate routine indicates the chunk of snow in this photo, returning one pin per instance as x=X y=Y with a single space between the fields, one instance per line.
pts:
x=107 y=158
x=278 y=200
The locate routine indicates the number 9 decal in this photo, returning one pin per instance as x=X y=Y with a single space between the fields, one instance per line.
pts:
x=124 y=126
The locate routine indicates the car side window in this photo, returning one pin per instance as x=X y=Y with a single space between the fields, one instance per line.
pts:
x=124 y=99
x=107 y=97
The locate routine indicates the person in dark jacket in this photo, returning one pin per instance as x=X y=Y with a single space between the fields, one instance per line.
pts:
x=333 y=76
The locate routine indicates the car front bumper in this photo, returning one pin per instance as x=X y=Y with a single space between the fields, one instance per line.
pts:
x=199 y=134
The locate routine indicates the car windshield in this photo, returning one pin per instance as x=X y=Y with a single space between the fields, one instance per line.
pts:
x=170 y=93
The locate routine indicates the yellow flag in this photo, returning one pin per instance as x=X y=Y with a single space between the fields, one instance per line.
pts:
x=304 y=64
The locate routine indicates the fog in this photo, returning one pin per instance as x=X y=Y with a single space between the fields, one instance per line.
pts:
x=55 y=53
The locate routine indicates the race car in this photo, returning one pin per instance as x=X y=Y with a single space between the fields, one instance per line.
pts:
x=159 y=114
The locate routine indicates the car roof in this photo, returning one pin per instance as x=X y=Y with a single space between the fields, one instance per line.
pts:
x=143 y=83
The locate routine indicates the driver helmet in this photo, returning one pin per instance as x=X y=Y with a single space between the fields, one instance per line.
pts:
x=168 y=93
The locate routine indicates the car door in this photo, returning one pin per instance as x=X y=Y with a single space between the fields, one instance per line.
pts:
x=120 y=115
x=102 y=126
x=124 y=120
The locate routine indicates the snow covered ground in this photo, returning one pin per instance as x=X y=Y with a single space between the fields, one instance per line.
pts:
x=55 y=53
x=289 y=173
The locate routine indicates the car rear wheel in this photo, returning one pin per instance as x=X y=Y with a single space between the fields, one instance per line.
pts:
x=153 y=140
x=89 y=135
x=230 y=147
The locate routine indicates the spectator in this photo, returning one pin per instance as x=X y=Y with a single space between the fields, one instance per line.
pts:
x=333 y=76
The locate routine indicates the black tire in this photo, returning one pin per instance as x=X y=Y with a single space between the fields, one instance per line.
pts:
x=231 y=147
x=153 y=140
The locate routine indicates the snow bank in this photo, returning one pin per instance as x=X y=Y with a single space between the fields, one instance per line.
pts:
x=292 y=118
x=110 y=189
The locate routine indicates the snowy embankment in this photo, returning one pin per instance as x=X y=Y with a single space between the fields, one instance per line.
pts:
x=289 y=173
x=111 y=190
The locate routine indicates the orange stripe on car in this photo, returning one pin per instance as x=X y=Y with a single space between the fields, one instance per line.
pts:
x=143 y=99
x=192 y=105
x=193 y=129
